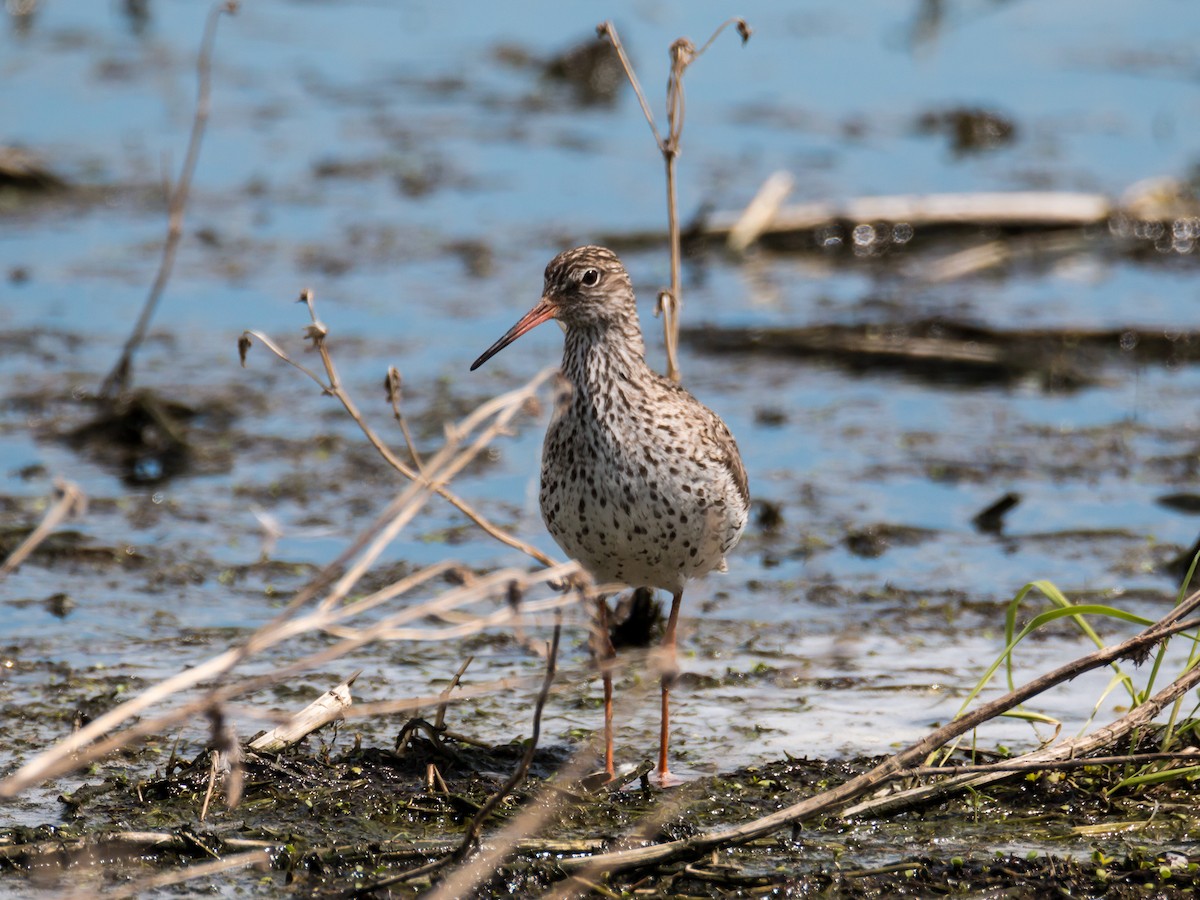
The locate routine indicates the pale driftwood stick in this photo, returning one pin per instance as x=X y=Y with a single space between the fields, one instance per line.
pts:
x=760 y=212
x=71 y=502
x=826 y=802
x=1035 y=208
x=331 y=706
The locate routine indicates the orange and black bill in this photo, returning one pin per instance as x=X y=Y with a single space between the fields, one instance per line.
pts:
x=543 y=311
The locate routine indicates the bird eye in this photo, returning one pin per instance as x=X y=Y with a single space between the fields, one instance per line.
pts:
x=590 y=278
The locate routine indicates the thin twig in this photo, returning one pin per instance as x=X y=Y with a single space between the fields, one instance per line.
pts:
x=393 y=384
x=117 y=380
x=439 y=721
x=1021 y=764
x=1137 y=718
x=463 y=881
x=74 y=750
x=71 y=502
x=835 y=797
x=683 y=53
x=317 y=333
x=473 y=830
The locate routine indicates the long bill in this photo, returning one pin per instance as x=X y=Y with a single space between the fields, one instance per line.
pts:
x=541 y=312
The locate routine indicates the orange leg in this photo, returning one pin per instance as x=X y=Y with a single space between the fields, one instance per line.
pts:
x=670 y=673
x=605 y=654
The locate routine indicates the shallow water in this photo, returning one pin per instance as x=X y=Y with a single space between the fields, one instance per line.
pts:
x=436 y=138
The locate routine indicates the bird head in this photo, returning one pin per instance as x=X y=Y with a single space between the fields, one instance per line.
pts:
x=584 y=288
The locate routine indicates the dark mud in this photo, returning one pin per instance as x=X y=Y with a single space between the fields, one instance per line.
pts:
x=339 y=821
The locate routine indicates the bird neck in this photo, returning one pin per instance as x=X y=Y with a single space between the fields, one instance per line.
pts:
x=594 y=356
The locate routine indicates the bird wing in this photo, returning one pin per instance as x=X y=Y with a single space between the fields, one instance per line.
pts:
x=724 y=449
x=725 y=452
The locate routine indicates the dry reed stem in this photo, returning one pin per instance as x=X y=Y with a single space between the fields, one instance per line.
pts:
x=317 y=332
x=71 y=503
x=683 y=53
x=213 y=771
x=828 y=801
x=117 y=380
x=464 y=880
x=393 y=384
x=74 y=751
x=1016 y=765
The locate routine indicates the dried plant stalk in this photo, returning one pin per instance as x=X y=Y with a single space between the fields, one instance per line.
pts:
x=71 y=503
x=683 y=53
x=331 y=614
x=118 y=379
x=837 y=797
x=317 y=333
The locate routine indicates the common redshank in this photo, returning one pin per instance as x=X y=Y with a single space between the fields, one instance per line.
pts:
x=641 y=482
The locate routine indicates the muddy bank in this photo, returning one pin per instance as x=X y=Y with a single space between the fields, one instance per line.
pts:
x=348 y=818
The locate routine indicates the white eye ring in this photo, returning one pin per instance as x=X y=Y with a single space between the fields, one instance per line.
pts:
x=590 y=278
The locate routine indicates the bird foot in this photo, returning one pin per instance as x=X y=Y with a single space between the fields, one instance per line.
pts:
x=666 y=779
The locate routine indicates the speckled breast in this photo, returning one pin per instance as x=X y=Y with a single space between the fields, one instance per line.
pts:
x=629 y=495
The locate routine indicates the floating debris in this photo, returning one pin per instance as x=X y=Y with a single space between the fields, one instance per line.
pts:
x=942 y=351
x=23 y=171
x=991 y=519
x=970 y=129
